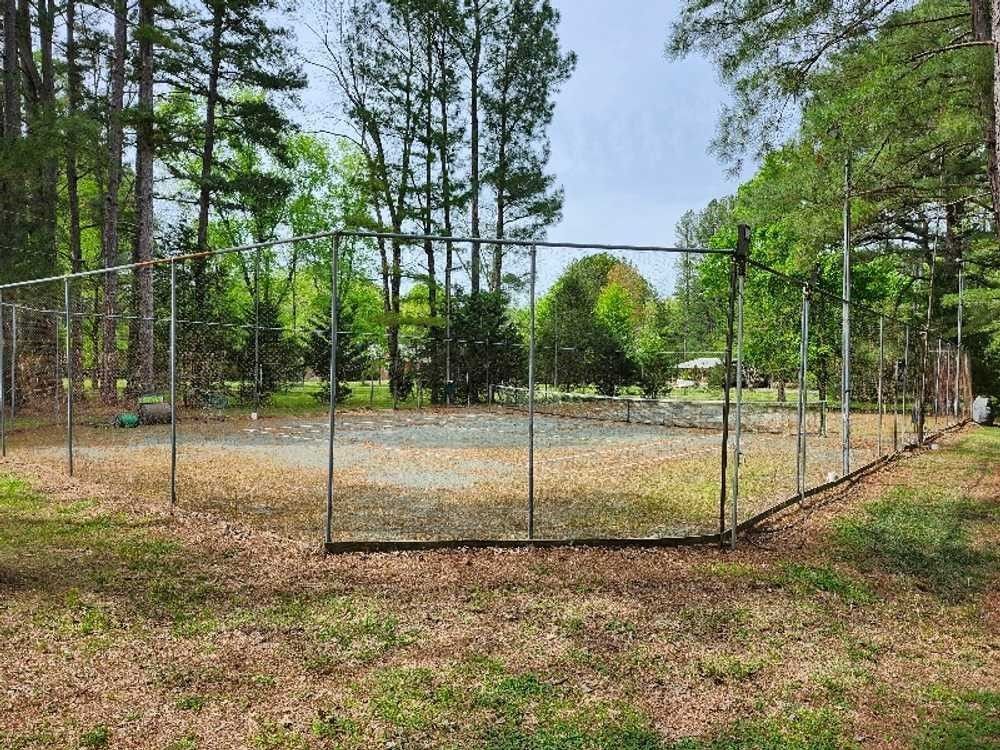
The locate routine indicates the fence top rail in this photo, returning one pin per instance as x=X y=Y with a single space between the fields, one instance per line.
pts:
x=166 y=260
x=362 y=234
x=404 y=237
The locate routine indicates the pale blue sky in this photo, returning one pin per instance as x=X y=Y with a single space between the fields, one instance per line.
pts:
x=632 y=129
x=630 y=136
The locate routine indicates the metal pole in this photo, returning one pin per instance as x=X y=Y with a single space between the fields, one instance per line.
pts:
x=734 y=271
x=881 y=378
x=57 y=372
x=448 y=385
x=737 y=448
x=256 y=334
x=555 y=352
x=906 y=371
x=333 y=385
x=800 y=465
x=13 y=362
x=845 y=386
x=896 y=376
x=937 y=385
x=3 y=402
x=173 y=383
x=69 y=377
x=958 y=348
x=531 y=402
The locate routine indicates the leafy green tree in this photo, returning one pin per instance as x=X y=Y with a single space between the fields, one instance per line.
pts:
x=587 y=324
x=354 y=353
x=524 y=67
x=488 y=348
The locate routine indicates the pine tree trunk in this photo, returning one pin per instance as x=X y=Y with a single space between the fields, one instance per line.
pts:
x=445 y=202
x=10 y=202
x=48 y=195
x=474 y=258
x=11 y=75
x=142 y=341
x=986 y=27
x=109 y=235
x=72 y=176
x=208 y=157
x=931 y=257
x=428 y=175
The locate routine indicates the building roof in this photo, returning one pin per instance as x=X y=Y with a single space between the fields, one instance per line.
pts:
x=702 y=363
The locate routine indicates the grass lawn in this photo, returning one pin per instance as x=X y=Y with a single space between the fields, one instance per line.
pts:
x=870 y=621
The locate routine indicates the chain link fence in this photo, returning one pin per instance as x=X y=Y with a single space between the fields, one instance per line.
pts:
x=386 y=391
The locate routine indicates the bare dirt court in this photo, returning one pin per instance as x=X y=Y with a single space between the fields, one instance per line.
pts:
x=458 y=473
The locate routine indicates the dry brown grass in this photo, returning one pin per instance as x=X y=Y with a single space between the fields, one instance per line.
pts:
x=121 y=621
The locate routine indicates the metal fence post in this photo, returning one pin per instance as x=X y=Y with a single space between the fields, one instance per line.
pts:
x=800 y=466
x=13 y=361
x=958 y=347
x=937 y=385
x=69 y=377
x=531 y=402
x=845 y=385
x=906 y=375
x=56 y=372
x=334 y=305
x=449 y=387
x=256 y=334
x=881 y=378
x=742 y=255
x=173 y=383
x=726 y=398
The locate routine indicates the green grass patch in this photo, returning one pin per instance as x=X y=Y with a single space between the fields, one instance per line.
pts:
x=412 y=699
x=804 y=729
x=273 y=736
x=811 y=579
x=191 y=702
x=730 y=668
x=333 y=727
x=732 y=571
x=95 y=738
x=968 y=721
x=924 y=535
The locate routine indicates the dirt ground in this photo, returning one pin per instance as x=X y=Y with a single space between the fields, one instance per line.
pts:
x=868 y=619
x=446 y=474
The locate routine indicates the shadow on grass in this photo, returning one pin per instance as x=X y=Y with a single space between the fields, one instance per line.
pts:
x=63 y=553
x=926 y=536
x=969 y=721
x=803 y=729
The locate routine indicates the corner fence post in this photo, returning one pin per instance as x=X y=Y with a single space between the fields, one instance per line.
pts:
x=845 y=355
x=742 y=256
x=726 y=397
x=173 y=383
x=449 y=387
x=881 y=378
x=69 y=377
x=800 y=467
x=531 y=402
x=3 y=401
x=334 y=305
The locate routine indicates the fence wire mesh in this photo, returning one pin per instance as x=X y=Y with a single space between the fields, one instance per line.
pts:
x=570 y=397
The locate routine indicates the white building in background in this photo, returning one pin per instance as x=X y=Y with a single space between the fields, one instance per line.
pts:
x=695 y=372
